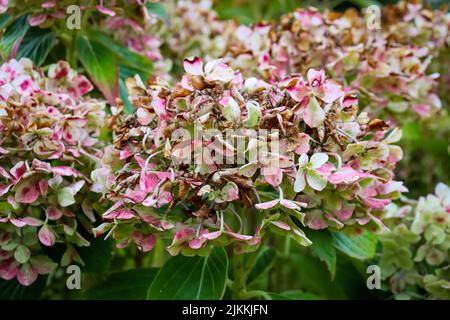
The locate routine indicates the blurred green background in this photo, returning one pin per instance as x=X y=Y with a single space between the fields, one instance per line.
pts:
x=250 y=11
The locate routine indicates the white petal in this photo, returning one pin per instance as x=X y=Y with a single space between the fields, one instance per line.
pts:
x=314 y=115
x=218 y=71
x=318 y=159
x=300 y=183
x=316 y=180
x=303 y=160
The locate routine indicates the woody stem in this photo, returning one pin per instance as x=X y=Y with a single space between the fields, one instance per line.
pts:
x=239 y=275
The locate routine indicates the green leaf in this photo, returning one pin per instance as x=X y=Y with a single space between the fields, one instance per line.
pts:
x=5 y=18
x=97 y=257
x=360 y=247
x=13 y=290
x=293 y=295
x=125 y=55
x=312 y=276
x=13 y=35
x=129 y=72
x=128 y=107
x=125 y=285
x=125 y=73
x=191 y=278
x=158 y=9
x=322 y=245
x=264 y=262
x=365 y=3
x=36 y=45
x=100 y=64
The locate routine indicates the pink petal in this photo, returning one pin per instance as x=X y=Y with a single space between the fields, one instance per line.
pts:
x=9 y=270
x=164 y=175
x=124 y=214
x=114 y=207
x=183 y=234
x=30 y=221
x=299 y=91
x=124 y=154
x=273 y=175
x=289 y=204
x=5 y=173
x=135 y=195
x=314 y=220
x=81 y=85
x=164 y=197
x=240 y=236
x=27 y=192
x=106 y=11
x=37 y=19
x=344 y=214
x=211 y=235
x=150 y=201
x=346 y=175
x=193 y=66
x=303 y=144
x=123 y=244
x=43 y=187
x=220 y=72
x=41 y=165
x=18 y=222
x=422 y=110
x=144 y=242
x=27 y=275
x=376 y=203
x=18 y=170
x=48 y=4
x=392 y=186
x=326 y=169
x=144 y=116
x=281 y=225
x=196 y=243
x=147 y=181
x=53 y=213
x=65 y=171
x=332 y=92
x=332 y=218
x=159 y=105
x=315 y=77
x=4 y=189
x=46 y=236
x=267 y=205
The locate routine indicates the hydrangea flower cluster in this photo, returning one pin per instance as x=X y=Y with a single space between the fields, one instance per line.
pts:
x=48 y=146
x=415 y=256
x=196 y=30
x=389 y=73
x=192 y=28
x=219 y=159
x=142 y=32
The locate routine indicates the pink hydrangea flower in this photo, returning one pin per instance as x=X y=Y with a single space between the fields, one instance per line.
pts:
x=46 y=199
x=160 y=172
